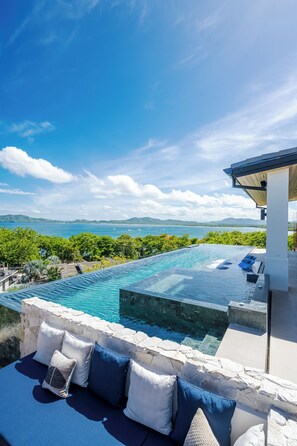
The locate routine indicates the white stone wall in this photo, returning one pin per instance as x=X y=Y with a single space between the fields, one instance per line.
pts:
x=282 y=431
x=248 y=386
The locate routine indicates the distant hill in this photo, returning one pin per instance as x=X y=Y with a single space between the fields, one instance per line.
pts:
x=152 y=221
x=24 y=219
x=138 y=221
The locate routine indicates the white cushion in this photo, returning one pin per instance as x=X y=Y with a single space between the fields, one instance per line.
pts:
x=254 y=436
x=150 y=398
x=49 y=340
x=75 y=348
x=200 y=433
x=59 y=374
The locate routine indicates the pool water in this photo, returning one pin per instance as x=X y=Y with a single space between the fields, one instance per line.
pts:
x=97 y=293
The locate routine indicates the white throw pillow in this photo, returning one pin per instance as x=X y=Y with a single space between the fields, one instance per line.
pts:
x=75 y=348
x=49 y=340
x=150 y=398
x=254 y=436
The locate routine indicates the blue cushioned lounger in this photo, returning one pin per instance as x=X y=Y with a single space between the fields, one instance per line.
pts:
x=32 y=416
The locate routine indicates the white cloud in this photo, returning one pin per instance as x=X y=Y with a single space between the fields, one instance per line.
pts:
x=152 y=143
x=193 y=58
x=48 y=39
x=74 y=9
x=121 y=196
x=193 y=213
x=210 y=22
x=18 y=162
x=266 y=124
x=15 y=192
x=125 y=186
x=28 y=129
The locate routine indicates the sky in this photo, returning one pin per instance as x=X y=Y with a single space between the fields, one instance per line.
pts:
x=111 y=109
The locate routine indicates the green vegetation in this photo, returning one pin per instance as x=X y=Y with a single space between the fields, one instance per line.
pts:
x=8 y=316
x=64 y=249
x=53 y=273
x=105 y=263
x=18 y=246
x=34 y=270
x=257 y=239
x=39 y=255
x=23 y=246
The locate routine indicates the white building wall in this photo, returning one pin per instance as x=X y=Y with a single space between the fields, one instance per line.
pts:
x=277 y=229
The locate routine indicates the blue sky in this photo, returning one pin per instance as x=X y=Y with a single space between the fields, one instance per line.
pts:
x=113 y=109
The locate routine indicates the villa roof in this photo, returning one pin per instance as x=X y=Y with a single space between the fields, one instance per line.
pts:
x=250 y=173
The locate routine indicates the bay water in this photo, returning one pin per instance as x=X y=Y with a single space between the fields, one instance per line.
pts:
x=68 y=229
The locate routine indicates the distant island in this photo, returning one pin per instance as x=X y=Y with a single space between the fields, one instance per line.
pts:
x=236 y=222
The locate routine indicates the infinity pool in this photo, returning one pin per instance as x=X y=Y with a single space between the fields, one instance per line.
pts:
x=97 y=293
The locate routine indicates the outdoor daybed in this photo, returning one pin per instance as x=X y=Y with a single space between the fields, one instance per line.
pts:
x=92 y=382
x=30 y=414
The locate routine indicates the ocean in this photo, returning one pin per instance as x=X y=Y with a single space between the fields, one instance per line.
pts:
x=68 y=229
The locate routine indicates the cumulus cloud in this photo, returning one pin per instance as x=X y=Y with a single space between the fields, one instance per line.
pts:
x=121 y=196
x=18 y=162
x=28 y=129
x=124 y=185
x=188 y=212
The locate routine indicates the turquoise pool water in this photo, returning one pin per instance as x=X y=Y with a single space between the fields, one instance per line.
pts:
x=97 y=293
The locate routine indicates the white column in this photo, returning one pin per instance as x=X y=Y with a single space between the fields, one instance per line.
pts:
x=276 y=264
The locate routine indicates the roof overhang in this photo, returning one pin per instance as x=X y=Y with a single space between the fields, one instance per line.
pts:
x=251 y=174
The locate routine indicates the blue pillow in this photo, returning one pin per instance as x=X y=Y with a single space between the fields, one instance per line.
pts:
x=249 y=256
x=108 y=373
x=217 y=410
x=245 y=266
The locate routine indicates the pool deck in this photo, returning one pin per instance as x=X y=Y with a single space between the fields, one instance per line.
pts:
x=283 y=341
x=283 y=338
x=254 y=341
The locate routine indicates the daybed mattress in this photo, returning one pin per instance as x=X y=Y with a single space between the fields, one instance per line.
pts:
x=31 y=415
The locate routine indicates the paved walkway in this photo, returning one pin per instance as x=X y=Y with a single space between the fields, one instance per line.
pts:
x=283 y=341
x=244 y=345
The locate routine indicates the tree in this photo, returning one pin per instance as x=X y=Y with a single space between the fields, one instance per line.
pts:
x=53 y=260
x=53 y=273
x=127 y=246
x=34 y=270
x=87 y=245
x=106 y=245
x=17 y=246
x=257 y=238
x=57 y=246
